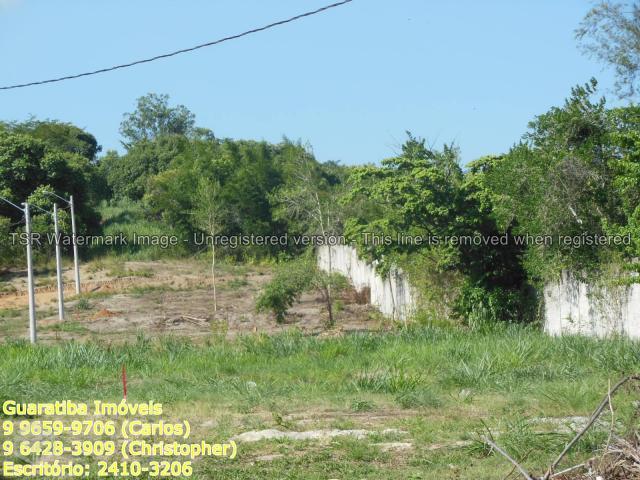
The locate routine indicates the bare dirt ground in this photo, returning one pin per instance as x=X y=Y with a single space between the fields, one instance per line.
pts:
x=123 y=299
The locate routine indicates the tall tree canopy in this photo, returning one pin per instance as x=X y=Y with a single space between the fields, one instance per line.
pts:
x=417 y=191
x=154 y=118
x=425 y=212
x=610 y=32
x=573 y=175
x=154 y=134
x=61 y=136
x=38 y=154
x=250 y=178
x=46 y=156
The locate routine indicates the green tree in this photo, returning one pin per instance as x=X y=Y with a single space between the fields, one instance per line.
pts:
x=495 y=284
x=38 y=157
x=308 y=201
x=625 y=166
x=290 y=280
x=210 y=214
x=559 y=182
x=155 y=134
x=27 y=163
x=294 y=277
x=61 y=136
x=419 y=195
x=250 y=174
x=128 y=175
x=610 y=32
x=154 y=118
x=429 y=218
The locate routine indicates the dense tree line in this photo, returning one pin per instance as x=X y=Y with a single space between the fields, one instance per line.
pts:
x=575 y=173
x=181 y=173
x=565 y=197
x=46 y=156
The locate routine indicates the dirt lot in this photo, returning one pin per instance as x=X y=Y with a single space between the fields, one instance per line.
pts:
x=165 y=297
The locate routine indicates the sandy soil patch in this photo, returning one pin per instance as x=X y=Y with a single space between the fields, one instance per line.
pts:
x=173 y=298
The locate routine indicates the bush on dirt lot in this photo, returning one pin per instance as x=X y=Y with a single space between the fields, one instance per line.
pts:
x=290 y=280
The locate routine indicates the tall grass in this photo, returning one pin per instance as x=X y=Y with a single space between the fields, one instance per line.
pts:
x=456 y=385
x=567 y=371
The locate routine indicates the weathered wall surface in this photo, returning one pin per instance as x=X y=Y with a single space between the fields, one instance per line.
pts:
x=570 y=306
x=574 y=307
x=392 y=295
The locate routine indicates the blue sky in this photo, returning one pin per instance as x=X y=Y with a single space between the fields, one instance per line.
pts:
x=350 y=81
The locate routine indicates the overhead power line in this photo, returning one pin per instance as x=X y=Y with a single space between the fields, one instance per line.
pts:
x=17 y=223
x=178 y=52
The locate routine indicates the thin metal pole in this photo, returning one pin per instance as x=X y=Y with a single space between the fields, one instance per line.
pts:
x=76 y=262
x=32 y=300
x=58 y=263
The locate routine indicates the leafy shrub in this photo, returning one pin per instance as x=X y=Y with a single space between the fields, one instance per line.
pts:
x=290 y=280
x=480 y=307
x=293 y=278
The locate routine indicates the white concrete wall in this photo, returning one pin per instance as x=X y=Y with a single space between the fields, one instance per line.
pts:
x=393 y=295
x=570 y=306
x=574 y=307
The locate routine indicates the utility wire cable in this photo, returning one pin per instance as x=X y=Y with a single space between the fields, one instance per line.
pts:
x=178 y=52
x=17 y=223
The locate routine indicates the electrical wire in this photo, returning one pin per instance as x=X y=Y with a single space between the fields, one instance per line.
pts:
x=178 y=52
x=17 y=223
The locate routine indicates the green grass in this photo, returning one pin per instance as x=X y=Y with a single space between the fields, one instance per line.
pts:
x=443 y=385
x=10 y=312
x=83 y=304
x=68 y=326
x=120 y=271
x=236 y=283
x=12 y=320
